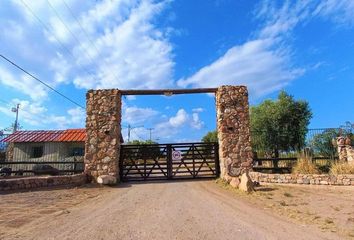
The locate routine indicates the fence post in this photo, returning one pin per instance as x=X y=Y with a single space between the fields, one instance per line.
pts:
x=217 y=161
x=169 y=161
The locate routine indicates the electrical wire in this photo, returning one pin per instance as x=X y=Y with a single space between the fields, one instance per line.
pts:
x=58 y=41
x=73 y=34
x=45 y=84
x=86 y=34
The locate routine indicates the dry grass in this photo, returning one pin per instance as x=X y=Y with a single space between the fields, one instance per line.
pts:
x=304 y=165
x=342 y=168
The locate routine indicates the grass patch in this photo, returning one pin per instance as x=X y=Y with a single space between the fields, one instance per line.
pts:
x=342 y=168
x=304 y=165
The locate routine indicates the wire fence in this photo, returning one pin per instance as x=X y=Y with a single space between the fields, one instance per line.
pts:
x=27 y=168
x=280 y=152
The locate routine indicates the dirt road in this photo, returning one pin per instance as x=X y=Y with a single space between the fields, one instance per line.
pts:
x=172 y=210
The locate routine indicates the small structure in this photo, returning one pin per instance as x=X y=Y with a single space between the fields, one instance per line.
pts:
x=52 y=145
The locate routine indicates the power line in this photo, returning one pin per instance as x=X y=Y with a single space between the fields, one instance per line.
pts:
x=6 y=102
x=83 y=30
x=45 y=84
x=68 y=29
x=73 y=35
x=138 y=135
x=80 y=25
x=58 y=41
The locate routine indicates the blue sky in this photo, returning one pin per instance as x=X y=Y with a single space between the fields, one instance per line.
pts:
x=304 y=47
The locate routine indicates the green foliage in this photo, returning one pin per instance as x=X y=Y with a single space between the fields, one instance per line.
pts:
x=280 y=125
x=139 y=142
x=322 y=143
x=141 y=152
x=347 y=129
x=210 y=137
x=324 y=168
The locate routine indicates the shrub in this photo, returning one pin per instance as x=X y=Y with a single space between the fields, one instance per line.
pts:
x=342 y=168
x=324 y=168
x=304 y=165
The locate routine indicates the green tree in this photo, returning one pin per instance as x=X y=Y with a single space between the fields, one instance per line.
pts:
x=322 y=143
x=141 y=142
x=211 y=136
x=279 y=125
x=142 y=151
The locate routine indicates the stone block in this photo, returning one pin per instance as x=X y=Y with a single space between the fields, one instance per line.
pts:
x=246 y=183
x=107 y=180
x=235 y=182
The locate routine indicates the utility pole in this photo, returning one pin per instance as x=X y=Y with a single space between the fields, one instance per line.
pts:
x=130 y=128
x=150 y=129
x=15 y=109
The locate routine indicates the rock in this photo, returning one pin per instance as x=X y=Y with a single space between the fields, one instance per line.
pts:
x=246 y=183
x=106 y=180
x=235 y=182
x=106 y=159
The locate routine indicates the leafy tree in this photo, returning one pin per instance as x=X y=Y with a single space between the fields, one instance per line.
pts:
x=141 y=142
x=211 y=136
x=279 y=125
x=347 y=129
x=322 y=143
x=143 y=152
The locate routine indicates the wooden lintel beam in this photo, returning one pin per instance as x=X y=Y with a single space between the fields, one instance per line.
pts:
x=168 y=92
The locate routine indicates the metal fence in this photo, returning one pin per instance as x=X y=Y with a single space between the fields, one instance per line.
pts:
x=64 y=167
x=271 y=153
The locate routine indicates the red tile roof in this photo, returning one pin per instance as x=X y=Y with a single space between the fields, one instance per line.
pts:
x=70 y=135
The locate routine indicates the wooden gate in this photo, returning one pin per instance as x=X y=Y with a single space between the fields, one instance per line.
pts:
x=169 y=161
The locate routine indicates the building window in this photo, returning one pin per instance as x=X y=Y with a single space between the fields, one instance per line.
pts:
x=37 y=152
x=78 y=151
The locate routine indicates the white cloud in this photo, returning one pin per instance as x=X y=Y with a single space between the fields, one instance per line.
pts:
x=196 y=122
x=37 y=116
x=22 y=83
x=264 y=63
x=132 y=52
x=340 y=11
x=120 y=47
x=198 y=110
x=255 y=64
x=136 y=115
x=180 y=119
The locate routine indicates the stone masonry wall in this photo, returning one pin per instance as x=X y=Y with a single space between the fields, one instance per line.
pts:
x=312 y=179
x=38 y=182
x=345 y=150
x=235 y=152
x=103 y=131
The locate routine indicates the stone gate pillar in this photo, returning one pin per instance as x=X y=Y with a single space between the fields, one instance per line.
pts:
x=103 y=133
x=233 y=126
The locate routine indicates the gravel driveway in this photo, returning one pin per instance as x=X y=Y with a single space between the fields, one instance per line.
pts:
x=164 y=210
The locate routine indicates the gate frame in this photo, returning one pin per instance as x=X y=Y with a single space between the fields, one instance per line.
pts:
x=103 y=129
x=171 y=172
